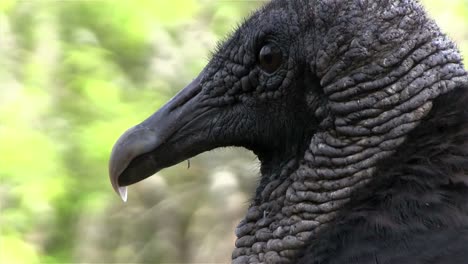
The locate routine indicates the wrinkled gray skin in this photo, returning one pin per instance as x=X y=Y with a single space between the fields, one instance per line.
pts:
x=357 y=76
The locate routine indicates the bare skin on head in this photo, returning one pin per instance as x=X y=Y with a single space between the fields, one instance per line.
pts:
x=346 y=105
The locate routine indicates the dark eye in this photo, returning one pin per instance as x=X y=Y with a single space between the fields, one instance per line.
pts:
x=270 y=58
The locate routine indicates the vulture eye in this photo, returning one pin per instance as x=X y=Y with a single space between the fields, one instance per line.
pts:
x=270 y=58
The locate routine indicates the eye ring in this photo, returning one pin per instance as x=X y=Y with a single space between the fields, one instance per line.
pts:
x=270 y=58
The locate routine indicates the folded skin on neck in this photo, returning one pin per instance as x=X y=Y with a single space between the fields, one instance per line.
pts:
x=323 y=92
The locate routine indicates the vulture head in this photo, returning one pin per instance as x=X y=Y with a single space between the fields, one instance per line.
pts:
x=351 y=108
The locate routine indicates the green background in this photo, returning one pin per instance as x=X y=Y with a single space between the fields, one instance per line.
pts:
x=73 y=76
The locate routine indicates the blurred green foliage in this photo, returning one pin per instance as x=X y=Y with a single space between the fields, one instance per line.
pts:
x=74 y=75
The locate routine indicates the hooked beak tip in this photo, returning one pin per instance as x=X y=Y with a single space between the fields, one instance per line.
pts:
x=134 y=142
x=123 y=191
x=120 y=190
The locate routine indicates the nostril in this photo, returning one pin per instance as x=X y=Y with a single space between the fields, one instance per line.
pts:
x=186 y=94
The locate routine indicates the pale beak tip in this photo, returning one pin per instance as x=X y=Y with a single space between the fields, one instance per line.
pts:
x=123 y=193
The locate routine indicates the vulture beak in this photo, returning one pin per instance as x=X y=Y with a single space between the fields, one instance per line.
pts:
x=167 y=137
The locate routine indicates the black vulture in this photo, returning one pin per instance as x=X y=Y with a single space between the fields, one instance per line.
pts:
x=357 y=111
